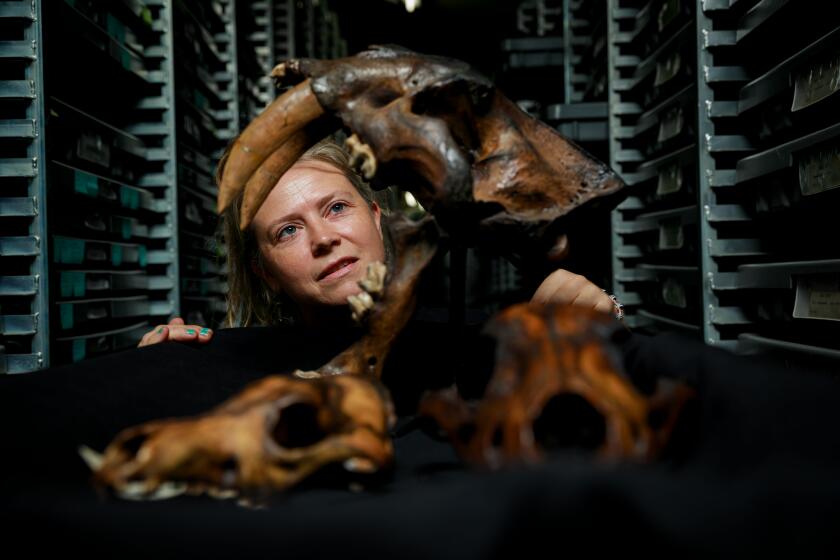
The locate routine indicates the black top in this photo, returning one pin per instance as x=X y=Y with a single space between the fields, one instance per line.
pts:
x=756 y=471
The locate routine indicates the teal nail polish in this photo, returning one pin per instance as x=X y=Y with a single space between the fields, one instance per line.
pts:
x=204 y=332
x=190 y=332
x=160 y=330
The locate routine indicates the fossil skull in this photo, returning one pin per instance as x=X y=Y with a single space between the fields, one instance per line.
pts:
x=272 y=435
x=558 y=382
x=483 y=167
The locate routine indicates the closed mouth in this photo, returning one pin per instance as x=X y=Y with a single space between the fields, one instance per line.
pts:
x=336 y=266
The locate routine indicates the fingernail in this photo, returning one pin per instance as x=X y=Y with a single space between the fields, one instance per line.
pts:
x=204 y=332
x=190 y=332
x=160 y=330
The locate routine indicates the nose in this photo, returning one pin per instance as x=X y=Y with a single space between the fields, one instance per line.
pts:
x=323 y=240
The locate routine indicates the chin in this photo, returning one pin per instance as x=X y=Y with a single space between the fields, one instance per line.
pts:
x=349 y=287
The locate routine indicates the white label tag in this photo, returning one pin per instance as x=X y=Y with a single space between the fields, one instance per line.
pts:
x=671 y=235
x=817 y=297
x=819 y=171
x=670 y=179
x=671 y=125
x=673 y=293
x=667 y=69
x=815 y=83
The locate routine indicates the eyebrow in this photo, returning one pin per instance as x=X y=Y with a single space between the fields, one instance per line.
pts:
x=318 y=204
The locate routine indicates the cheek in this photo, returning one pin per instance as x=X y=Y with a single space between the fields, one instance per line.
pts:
x=284 y=266
x=369 y=236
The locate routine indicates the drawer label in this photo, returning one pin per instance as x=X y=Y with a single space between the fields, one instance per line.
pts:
x=671 y=235
x=670 y=180
x=819 y=171
x=672 y=124
x=666 y=70
x=673 y=294
x=816 y=82
x=817 y=297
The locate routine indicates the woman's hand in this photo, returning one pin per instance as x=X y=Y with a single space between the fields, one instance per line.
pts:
x=562 y=286
x=178 y=331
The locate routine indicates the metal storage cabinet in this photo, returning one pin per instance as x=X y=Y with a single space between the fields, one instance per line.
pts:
x=728 y=232
x=283 y=23
x=113 y=268
x=255 y=57
x=771 y=131
x=654 y=146
x=208 y=118
x=24 y=308
x=305 y=29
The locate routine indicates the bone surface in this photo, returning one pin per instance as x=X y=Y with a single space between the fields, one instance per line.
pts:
x=272 y=435
x=441 y=130
x=557 y=382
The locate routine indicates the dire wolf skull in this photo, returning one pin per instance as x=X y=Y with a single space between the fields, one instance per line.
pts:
x=558 y=382
x=271 y=436
x=443 y=131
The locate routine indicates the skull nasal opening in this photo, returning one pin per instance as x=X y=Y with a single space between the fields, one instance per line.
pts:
x=568 y=421
x=298 y=426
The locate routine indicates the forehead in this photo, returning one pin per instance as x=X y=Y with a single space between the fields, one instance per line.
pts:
x=309 y=175
x=305 y=183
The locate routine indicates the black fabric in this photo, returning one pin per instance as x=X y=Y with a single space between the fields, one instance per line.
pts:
x=755 y=470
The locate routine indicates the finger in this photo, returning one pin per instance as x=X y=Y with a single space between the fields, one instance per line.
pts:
x=604 y=304
x=570 y=290
x=204 y=334
x=154 y=336
x=552 y=286
x=588 y=296
x=183 y=333
x=176 y=321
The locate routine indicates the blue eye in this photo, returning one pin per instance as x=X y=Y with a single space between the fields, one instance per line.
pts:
x=338 y=207
x=286 y=231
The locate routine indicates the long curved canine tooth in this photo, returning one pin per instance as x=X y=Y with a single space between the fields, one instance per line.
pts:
x=269 y=172
x=286 y=115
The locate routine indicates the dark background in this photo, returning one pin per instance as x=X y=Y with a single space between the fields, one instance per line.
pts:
x=470 y=30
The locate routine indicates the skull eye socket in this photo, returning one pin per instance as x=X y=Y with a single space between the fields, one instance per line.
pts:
x=382 y=98
x=568 y=421
x=298 y=426
x=133 y=444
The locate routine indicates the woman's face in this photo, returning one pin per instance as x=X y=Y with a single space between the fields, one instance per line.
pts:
x=316 y=236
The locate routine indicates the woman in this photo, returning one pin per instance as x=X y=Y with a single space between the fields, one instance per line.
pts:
x=310 y=244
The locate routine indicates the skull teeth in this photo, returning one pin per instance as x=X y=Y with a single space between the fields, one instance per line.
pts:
x=374 y=280
x=93 y=459
x=300 y=374
x=360 y=304
x=361 y=157
x=373 y=284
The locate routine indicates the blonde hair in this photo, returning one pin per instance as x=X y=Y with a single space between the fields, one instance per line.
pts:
x=250 y=301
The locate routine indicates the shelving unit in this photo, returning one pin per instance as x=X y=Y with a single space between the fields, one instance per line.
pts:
x=255 y=60
x=208 y=112
x=728 y=229
x=654 y=147
x=305 y=29
x=772 y=133
x=24 y=289
x=113 y=268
